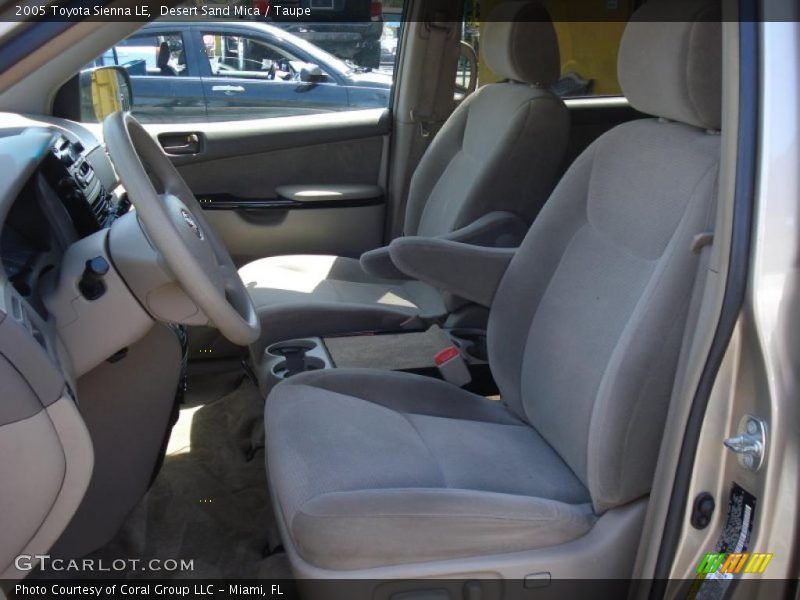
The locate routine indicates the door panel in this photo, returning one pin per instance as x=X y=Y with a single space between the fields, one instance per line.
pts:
x=255 y=233
x=244 y=163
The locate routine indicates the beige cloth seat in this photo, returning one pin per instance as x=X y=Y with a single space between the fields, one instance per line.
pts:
x=499 y=153
x=313 y=295
x=372 y=468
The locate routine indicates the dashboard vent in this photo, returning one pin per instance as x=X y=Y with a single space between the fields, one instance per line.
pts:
x=100 y=207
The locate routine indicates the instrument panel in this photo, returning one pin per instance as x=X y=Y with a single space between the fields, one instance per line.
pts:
x=67 y=195
x=72 y=175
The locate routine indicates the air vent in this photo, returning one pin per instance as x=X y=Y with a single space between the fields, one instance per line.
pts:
x=84 y=174
x=100 y=207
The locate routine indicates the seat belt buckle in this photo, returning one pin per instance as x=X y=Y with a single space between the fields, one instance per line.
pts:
x=452 y=366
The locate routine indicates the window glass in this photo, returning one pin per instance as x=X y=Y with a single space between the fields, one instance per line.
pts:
x=165 y=84
x=470 y=52
x=588 y=47
x=392 y=15
x=148 y=54
x=588 y=58
x=234 y=70
x=239 y=56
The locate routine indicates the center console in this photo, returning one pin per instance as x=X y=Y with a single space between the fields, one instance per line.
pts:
x=413 y=352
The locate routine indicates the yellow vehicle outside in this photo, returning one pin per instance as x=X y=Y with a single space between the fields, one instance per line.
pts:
x=588 y=48
x=106 y=98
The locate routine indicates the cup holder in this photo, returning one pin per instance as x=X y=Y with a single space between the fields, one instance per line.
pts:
x=285 y=368
x=292 y=347
x=472 y=342
x=291 y=357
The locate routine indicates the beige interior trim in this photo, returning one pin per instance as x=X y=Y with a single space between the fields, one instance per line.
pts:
x=408 y=144
x=78 y=456
x=759 y=376
x=707 y=320
x=93 y=330
x=126 y=406
x=606 y=552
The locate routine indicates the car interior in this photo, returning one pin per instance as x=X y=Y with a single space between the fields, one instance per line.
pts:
x=434 y=340
x=463 y=190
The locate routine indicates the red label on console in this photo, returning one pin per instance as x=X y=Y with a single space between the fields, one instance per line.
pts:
x=445 y=355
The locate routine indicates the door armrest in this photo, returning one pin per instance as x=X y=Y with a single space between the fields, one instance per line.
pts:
x=468 y=271
x=333 y=194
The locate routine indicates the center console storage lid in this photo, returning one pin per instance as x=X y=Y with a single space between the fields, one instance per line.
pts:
x=401 y=351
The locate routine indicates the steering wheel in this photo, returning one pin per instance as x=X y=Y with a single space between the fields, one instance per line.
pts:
x=175 y=225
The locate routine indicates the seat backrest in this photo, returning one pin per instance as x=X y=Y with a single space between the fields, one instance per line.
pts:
x=162 y=60
x=586 y=327
x=501 y=149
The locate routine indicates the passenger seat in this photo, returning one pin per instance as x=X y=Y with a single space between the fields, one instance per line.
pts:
x=377 y=474
x=482 y=181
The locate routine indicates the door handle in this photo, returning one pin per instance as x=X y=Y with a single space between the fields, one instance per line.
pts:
x=228 y=89
x=180 y=143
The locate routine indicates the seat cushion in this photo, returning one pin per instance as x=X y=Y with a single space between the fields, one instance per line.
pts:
x=303 y=295
x=379 y=468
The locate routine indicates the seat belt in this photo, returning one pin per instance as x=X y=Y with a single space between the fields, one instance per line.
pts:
x=424 y=112
x=428 y=110
x=701 y=245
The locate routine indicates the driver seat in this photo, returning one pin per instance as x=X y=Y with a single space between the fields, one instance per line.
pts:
x=380 y=474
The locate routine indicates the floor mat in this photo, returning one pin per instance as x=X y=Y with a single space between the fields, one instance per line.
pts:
x=209 y=502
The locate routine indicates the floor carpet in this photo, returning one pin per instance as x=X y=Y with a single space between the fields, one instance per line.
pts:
x=209 y=502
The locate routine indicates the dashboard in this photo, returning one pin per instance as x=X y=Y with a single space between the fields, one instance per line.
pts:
x=70 y=194
x=73 y=175
x=61 y=317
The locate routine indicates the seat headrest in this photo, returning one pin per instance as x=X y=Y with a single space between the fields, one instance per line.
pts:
x=670 y=61
x=519 y=43
x=162 y=60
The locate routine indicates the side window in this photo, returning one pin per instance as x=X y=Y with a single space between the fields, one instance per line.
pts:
x=148 y=55
x=588 y=58
x=237 y=56
x=165 y=84
x=225 y=70
x=588 y=46
x=390 y=34
x=262 y=71
x=467 y=71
